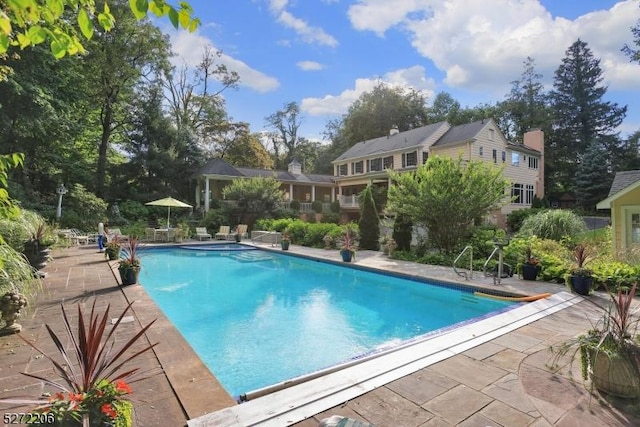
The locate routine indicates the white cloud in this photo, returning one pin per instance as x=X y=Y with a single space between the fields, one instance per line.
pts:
x=308 y=33
x=413 y=77
x=310 y=66
x=480 y=45
x=189 y=48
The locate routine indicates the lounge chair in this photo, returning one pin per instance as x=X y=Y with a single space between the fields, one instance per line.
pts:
x=116 y=234
x=77 y=237
x=201 y=233
x=223 y=234
x=241 y=230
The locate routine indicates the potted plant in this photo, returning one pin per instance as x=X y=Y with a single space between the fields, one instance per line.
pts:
x=530 y=266
x=580 y=277
x=349 y=244
x=112 y=250
x=328 y=241
x=610 y=351
x=129 y=265
x=93 y=373
x=38 y=248
x=286 y=240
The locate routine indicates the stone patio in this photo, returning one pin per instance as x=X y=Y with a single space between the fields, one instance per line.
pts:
x=504 y=382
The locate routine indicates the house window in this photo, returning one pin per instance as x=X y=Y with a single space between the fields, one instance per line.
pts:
x=357 y=167
x=533 y=162
x=495 y=156
x=425 y=157
x=515 y=159
x=504 y=157
x=480 y=151
x=522 y=194
x=342 y=170
x=376 y=164
x=409 y=159
x=387 y=162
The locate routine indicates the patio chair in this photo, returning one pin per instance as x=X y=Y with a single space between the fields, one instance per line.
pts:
x=223 y=233
x=150 y=234
x=201 y=233
x=115 y=233
x=242 y=230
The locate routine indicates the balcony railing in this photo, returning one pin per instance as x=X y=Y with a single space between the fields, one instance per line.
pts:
x=349 y=201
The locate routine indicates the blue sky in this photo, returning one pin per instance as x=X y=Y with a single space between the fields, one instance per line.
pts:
x=323 y=54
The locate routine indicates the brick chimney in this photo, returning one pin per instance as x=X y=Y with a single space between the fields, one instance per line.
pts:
x=535 y=139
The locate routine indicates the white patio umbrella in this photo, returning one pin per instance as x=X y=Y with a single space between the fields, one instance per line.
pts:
x=169 y=202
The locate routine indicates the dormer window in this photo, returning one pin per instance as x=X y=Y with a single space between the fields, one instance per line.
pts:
x=387 y=162
x=342 y=170
x=357 y=167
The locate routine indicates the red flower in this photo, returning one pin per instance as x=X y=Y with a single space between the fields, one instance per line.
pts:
x=57 y=396
x=108 y=410
x=123 y=387
x=76 y=397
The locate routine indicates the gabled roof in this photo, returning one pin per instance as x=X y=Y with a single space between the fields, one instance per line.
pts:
x=461 y=133
x=220 y=167
x=398 y=141
x=623 y=182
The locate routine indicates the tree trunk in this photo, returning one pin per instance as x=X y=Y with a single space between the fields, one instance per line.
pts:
x=107 y=117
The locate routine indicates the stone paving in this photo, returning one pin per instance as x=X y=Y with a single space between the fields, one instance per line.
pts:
x=505 y=382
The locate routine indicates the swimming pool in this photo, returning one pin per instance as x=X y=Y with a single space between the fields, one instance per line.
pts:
x=257 y=318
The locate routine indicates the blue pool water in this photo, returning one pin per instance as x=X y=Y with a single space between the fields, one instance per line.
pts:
x=257 y=318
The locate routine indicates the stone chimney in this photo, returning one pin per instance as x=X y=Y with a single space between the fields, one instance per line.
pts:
x=535 y=139
x=394 y=130
x=294 y=167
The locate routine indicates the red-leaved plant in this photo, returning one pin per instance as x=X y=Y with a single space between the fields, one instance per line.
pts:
x=93 y=373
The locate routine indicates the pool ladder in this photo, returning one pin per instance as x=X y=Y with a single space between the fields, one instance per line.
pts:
x=466 y=273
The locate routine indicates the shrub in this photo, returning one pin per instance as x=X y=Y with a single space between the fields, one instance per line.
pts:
x=402 y=228
x=134 y=211
x=295 y=205
x=515 y=218
x=335 y=207
x=316 y=205
x=553 y=256
x=555 y=224
x=481 y=239
x=369 y=223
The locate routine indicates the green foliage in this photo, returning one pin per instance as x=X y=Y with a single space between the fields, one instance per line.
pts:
x=295 y=205
x=316 y=205
x=330 y=217
x=516 y=218
x=133 y=210
x=369 y=223
x=481 y=238
x=555 y=224
x=254 y=197
x=335 y=206
x=29 y=23
x=301 y=232
x=552 y=255
x=445 y=196
x=7 y=161
x=593 y=179
x=89 y=208
x=16 y=273
x=402 y=229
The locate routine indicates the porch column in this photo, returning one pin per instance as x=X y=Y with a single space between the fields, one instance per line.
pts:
x=206 y=194
x=198 y=193
x=313 y=193
x=333 y=194
x=290 y=192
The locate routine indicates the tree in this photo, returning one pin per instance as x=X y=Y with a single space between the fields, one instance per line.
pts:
x=30 y=22
x=634 y=54
x=238 y=146
x=254 y=197
x=193 y=103
x=402 y=232
x=446 y=195
x=593 y=179
x=385 y=107
x=444 y=107
x=286 y=123
x=116 y=67
x=525 y=107
x=581 y=117
x=369 y=223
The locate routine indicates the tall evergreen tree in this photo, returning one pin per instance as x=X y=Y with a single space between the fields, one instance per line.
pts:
x=525 y=106
x=581 y=116
x=593 y=178
x=369 y=223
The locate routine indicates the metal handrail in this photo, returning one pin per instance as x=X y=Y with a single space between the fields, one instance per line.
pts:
x=464 y=273
x=484 y=267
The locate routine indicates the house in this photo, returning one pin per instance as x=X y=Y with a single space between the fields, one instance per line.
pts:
x=624 y=202
x=367 y=162
x=305 y=188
